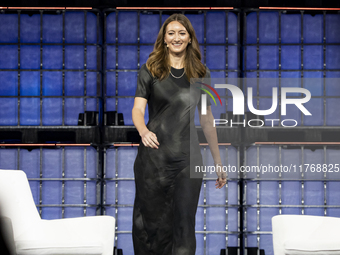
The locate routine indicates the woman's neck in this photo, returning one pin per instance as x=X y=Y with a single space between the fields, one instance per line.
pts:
x=177 y=61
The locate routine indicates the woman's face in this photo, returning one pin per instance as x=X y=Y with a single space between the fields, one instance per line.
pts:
x=176 y=37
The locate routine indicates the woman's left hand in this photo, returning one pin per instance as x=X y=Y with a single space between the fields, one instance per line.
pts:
x=222 y=176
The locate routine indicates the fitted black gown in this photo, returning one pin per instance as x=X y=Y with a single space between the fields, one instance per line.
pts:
x=166 y=197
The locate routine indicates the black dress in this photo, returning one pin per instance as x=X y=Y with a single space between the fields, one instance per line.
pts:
x=166 y=196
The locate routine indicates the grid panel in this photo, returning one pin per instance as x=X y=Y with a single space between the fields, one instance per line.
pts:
x=65 y=181
x=217 y=33
x=214 y=206
x=119 y=192
x=294 y=51
x=300 y=45
x=310 y=189
x=50 y=67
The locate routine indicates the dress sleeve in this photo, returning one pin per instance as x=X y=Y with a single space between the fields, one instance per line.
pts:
x=144 y=83
x=207 y=75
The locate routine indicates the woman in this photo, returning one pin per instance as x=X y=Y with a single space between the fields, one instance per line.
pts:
x=166 y=197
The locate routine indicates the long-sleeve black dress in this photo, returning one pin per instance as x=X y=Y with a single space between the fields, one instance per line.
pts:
x=166 y=196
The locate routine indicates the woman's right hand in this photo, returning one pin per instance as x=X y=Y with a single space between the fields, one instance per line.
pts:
x=149 y=139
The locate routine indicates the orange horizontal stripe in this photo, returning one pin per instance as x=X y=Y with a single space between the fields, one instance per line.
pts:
x=125 y=144
x=162 y=8
x=49 y=8
x=79 y=8
x=302 y=143
x=299 y=8
x=221 y=8
x=174 y=8
x=72 y=144
x=37 y=8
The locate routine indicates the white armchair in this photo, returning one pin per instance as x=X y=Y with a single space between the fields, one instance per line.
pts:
x=305 y=234
x=33 y=235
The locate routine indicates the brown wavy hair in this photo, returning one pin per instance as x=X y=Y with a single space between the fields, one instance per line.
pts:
x=158 y=62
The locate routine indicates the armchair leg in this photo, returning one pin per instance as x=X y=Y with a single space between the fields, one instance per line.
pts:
x=117 y=251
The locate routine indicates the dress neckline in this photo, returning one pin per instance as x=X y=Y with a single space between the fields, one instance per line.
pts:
x=177 y=68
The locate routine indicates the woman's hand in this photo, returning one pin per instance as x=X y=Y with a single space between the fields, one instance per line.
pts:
x=149 y=139
x=222 y=176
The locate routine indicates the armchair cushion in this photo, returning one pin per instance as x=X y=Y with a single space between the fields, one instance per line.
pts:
x=305 y=234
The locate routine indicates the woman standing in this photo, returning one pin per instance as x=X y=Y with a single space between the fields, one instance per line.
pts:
x=166 y=197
